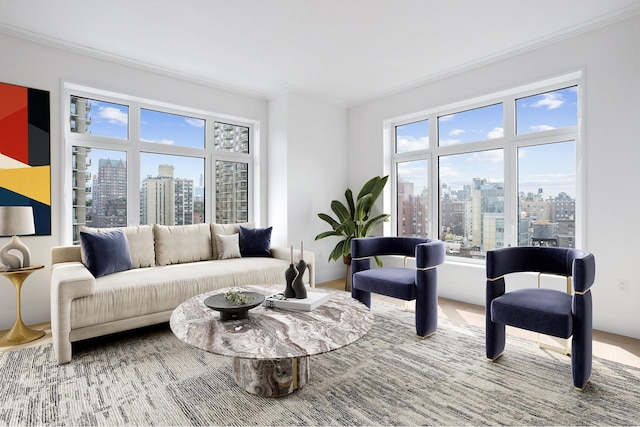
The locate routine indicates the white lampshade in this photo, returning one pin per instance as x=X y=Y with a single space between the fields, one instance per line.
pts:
x=16 y=221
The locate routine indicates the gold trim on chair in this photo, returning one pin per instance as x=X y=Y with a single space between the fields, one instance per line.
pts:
x=566 y=350
x=426 y=336
x=495 y=358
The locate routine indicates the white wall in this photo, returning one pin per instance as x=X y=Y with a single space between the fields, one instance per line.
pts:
x=37 y=66
x=609 y=58
x=307 y=169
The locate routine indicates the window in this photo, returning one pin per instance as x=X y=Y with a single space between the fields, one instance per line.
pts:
x=503 y=171
x=471 y=125
x=99 y=118
x=134 y=161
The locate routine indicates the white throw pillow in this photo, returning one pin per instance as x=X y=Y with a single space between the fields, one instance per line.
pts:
x=228 y=246
x=225 y=229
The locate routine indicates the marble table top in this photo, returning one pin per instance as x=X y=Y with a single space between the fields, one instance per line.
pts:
x=272 y=333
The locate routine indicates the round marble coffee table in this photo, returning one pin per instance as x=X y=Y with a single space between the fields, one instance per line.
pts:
x=271 y=348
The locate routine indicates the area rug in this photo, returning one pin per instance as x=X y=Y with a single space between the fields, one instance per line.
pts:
x=148 y=377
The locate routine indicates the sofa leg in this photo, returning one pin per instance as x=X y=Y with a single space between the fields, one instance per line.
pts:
x=62 y=353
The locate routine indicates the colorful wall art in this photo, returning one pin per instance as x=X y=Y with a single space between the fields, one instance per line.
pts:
x=25 y=152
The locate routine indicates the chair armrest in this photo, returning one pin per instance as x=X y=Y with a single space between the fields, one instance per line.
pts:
x=430 y=254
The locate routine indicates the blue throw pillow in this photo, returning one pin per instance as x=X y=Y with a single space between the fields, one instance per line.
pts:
x=106 y=252
x=255 y=241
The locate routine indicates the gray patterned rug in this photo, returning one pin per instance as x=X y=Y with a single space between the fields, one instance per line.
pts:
x=149 y=377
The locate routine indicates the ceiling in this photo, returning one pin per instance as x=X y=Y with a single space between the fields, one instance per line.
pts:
x=344 y=51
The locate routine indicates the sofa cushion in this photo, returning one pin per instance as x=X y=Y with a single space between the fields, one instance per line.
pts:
x=255 y=241
x=140 y=240
x=145 y=291
x=177 y=244
x=228 y=245
x=105 y=252
x=225 y=229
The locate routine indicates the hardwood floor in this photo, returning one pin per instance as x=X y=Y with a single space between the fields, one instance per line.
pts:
x=608 y=346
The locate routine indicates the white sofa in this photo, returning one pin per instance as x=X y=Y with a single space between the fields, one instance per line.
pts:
x=169 y=266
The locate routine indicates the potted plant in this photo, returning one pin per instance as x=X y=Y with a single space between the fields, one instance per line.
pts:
x=354 y=220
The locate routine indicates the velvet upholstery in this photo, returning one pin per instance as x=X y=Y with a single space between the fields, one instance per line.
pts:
x=546 y=311
x=106 y=252
x=404 y=283
x=255 y=242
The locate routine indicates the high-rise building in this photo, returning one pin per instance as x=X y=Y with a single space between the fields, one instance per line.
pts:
x=79 y=120
x=232 y=184
x=166 y=200
x=157 y=198
x=80 y=177
x=231 y=177
x=109 y=194
x=183 y=201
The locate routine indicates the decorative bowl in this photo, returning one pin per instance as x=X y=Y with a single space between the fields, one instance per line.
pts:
x=231 y=310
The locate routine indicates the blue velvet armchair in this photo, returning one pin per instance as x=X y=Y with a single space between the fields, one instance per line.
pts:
x=546 y=311
x=405 y=283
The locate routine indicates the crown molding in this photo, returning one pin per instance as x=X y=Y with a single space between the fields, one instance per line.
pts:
x=564 y=34
x=76 y=48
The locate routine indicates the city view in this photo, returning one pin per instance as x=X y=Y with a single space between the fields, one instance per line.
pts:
x=172 y=187
x=471 y=188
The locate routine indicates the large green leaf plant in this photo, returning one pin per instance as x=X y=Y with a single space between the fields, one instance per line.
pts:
x=354 y=219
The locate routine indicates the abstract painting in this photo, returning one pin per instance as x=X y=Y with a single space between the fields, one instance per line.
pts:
x=25 y=152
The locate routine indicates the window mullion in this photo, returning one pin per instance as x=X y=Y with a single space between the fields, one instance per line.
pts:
x=511 y=213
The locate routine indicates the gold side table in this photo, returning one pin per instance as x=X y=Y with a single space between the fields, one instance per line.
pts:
x=20 y=333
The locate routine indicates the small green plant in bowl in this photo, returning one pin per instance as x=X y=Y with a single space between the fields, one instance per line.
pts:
x=238 y=296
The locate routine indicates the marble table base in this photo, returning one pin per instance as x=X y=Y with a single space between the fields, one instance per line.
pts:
x=271 y=377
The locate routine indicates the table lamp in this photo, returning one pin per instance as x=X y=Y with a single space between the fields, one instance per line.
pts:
x=15 y=221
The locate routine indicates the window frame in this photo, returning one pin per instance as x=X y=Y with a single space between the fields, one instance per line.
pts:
x=133 y=146
x=510 y=142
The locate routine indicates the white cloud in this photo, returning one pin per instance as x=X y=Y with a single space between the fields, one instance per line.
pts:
x=492 y=156
x=197 y=123
x=113 y=115
x=446 y=118
x=550 y=101
x=405 y=144
x=160 y=141
x=447 y=142
x=456 y=132
x=496 y=133
x=446 y=171
x=539 y=128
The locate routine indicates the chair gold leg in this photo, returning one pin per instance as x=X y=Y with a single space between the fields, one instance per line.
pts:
x=495 y=358
x=583 y=388
x=426 y=336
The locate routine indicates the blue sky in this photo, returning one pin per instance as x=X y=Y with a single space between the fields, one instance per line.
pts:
x=550 y=167
x=111 y=120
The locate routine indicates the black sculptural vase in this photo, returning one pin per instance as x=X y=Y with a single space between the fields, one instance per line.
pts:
x=298 y=284
x=290 y=275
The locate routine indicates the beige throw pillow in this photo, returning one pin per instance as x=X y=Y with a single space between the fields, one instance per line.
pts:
x=228 y=246
x=226 y=229
x=177 y=244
